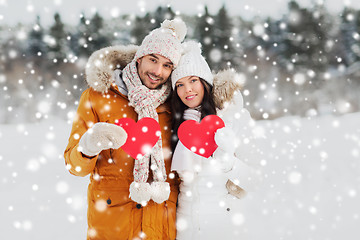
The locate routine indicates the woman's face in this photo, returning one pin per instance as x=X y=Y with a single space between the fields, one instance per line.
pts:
x=190 y=90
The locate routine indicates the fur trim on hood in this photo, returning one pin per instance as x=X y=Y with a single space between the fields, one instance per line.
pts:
x=226 y=83
x=102 y=63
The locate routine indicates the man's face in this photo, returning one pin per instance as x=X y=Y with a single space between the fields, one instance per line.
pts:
x=154 y=70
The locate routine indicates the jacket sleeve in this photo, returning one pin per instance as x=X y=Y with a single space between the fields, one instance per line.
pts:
x=245 y=171
x=85 y=117
x=244 y=175
x=185 y=208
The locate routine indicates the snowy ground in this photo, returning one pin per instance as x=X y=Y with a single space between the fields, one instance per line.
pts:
x=311 y=188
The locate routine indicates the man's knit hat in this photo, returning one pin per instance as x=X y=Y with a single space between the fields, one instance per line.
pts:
x=165 y=41
x=192 y=63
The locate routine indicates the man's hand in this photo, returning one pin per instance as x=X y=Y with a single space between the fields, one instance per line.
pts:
x=100 y=137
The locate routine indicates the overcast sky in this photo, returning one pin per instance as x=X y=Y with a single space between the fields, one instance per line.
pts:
x=13 y=11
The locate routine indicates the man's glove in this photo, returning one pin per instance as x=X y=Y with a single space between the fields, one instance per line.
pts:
x=102 y=136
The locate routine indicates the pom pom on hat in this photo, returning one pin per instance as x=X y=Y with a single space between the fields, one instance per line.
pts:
x=165 y=41
x=192 y=63
x=177 y=26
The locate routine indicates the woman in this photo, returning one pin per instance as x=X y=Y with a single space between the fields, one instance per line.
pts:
x=209 y=185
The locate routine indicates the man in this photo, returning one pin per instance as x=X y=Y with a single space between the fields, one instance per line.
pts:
x=128 y=198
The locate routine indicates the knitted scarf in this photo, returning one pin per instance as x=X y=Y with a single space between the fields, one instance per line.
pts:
x=145 y=101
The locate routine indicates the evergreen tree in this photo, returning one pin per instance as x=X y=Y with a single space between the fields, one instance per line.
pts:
x=57 y=46
x=97 y=39
x=322 y=26
x=142 y=27
x=36 y=44
x=356 y=36
x=222 y=35
x=162 y=13
x=292 y=46
x=272 y=34
x=348 y=29
x=204 y=33
x=79 y=39
x=305 y=37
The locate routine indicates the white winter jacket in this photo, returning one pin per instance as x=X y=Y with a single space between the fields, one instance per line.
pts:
x=205 y=208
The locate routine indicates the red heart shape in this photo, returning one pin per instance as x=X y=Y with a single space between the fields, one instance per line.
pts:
x=199 y=137
x=142 y=135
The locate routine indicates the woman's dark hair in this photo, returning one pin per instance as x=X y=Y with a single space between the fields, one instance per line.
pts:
x=178 y=107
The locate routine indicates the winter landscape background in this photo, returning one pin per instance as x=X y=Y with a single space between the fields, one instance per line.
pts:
x=301 y=76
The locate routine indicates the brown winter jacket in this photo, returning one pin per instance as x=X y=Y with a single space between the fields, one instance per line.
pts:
x=111 y=213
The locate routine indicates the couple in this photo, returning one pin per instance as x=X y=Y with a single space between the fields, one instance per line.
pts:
x=139 y=198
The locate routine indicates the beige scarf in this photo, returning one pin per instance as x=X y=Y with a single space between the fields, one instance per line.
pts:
x=145 y=101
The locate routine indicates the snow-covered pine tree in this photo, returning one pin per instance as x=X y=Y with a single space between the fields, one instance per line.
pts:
x=162 y=13
x=141 y=27
x=204 y=33
x=349 y=29
x=57 y=40
x=36 y=45
x=97 y=39
x=223 y=39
